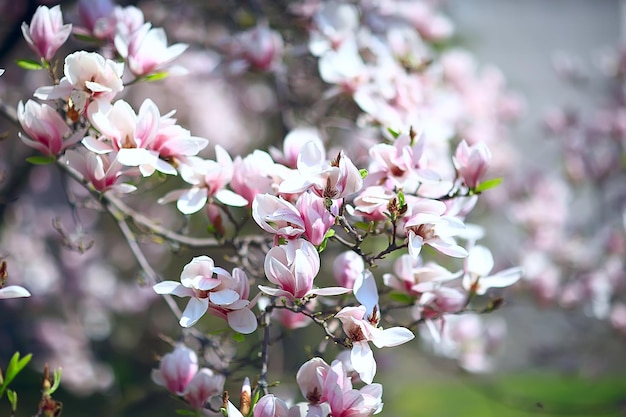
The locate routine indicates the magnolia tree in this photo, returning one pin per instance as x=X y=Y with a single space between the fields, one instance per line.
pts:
x=389 y=138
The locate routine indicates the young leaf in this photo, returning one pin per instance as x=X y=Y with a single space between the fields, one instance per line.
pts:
x=41 y=160
x=492 y=183
x=29 y=64
x=157 y=76
x=238 y=337
x=363 y=173
x=12 y=397
x=57 y=381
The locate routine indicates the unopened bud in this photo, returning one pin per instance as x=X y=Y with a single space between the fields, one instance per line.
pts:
x=246 y=397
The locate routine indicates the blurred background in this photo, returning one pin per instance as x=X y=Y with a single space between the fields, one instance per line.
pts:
x=564 y=349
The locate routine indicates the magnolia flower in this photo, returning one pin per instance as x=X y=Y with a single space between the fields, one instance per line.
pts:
x=255 y=174
x=317 y=218
x=146 y=50
x=88 y=76
x=328 y=388
x=414 y=277
x=260 y=47
x=471 y=162
x=204 y=385
x=361 y=331
x=45 y=129
x=176 y=370
x=206 y=284
x=478 y=265
x=428 y=226
x=46 y=32
x=270 y=406
x=145 y=139
x=293 y=143
x=336 y=179
x=102 y=171
x=293 y=267
x=13 y=291
x=347 y=267
x=278 y=216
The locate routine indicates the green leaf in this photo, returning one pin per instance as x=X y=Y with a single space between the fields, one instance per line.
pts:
x=41 y=160
x=394 y=133
x=363 y=173
x=157 y=76
x=330 y=233
x=12 y=397
x=238 y=337
x=57 y=381
x=401 y=297
x=492 y=183
x=401 y=199
x=29 y=64
x=15 y=366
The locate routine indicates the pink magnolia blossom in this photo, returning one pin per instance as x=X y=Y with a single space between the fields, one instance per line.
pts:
x=270 y=406
x=478 y=265
x=334 y=180
x=329 y=390
x=102 y=171
x=146 y=50
x=147 y=139
x=360 y=331
x=334 y=23
x=317 y=218
x=208 y=286
x=45 y=129
x=427 y=225
x=414 y=277
x=293 y=267
x=471 y=162
x=204 y=385
x=130 y=134
x=46 y=32
x=176 y=370
x=347 y=267
x=88 y=76
x=278 y=216
x=293 y=143
x=238 y=314
x=256 y=174
x=261 y=47
x=97 y=17
x=344 y=68
x=13 y=291
x=208 y=179
x=372 y=203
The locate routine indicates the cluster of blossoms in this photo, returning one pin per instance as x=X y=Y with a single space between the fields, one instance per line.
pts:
x=309 y=200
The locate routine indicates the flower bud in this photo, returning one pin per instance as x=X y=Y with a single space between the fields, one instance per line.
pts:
x=46 y=32
x=176 y=370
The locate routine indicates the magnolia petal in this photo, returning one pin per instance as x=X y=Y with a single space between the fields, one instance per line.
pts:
x=393 y=337
x=223 y=297
x=194 y=311
x=192 y=201
x=365 y=290
x=242 y=321
x=14 y=291
x=329 y=291
x=362 y=359
x=172 y=287
x=479 y=261
x=230 y=198
x=415 y=244
x=502 y=279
